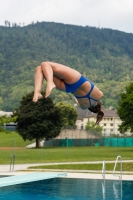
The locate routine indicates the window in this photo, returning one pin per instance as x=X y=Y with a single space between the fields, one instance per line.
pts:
x=104 y=124
x=111 y=124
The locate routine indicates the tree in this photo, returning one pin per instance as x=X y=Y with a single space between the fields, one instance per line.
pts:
x=125 y=109
x=6 y=119
x=38 y=120
x=68 y=113
x=96 y=130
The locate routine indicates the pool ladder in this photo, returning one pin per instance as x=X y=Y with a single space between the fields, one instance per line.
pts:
x=103 y=170
x=120 y=176
x=116 y=193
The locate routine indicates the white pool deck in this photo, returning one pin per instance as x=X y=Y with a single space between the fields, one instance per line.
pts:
x=20 y=169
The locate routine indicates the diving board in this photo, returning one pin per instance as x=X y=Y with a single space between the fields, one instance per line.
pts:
x=30 y=177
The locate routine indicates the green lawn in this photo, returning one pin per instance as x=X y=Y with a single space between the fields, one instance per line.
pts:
x=109 y=167
x=62 y=154
x=57 y=154
x=11 y=139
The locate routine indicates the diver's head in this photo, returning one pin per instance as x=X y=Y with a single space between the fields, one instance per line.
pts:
x=97 y=109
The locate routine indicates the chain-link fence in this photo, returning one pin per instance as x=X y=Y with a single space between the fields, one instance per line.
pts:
x=75 y=137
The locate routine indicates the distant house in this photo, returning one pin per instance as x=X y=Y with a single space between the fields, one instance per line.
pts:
x=11 y=125
x=2 y=113
x=110 y=122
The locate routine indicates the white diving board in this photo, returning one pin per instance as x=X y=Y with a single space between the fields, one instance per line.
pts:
x=30 y=177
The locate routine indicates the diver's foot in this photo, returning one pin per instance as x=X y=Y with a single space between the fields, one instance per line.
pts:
x=37 y=95
x=49 y=88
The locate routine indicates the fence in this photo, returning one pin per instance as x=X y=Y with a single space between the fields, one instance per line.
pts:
x=111 y=142
x=78 y=137
x=75 y=137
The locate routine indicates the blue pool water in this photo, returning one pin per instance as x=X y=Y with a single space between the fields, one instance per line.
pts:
x=69 y=188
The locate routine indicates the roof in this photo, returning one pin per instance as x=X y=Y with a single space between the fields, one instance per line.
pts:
x=86 y=113
x=110 y=113
x=81 y=113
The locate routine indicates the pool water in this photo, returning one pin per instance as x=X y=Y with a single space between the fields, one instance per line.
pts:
x=69 y=188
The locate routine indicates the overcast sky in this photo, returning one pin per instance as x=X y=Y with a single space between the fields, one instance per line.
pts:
x=114 y=14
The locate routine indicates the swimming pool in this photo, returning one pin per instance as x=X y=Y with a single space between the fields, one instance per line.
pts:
x=69 y=188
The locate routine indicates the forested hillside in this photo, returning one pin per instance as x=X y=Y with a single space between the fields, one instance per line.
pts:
x=105 y=56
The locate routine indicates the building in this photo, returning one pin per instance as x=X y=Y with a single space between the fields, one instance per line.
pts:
x=110 y=122
x=8 y=114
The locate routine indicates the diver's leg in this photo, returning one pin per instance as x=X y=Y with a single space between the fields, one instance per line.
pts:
x=65 y=73
x=38 y=84
x=48 y=74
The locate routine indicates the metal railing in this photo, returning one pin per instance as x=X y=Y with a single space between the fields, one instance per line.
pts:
x=120 y=175
x=115 y=189
x=12 y=162
x=103 y=170
x=103 y=183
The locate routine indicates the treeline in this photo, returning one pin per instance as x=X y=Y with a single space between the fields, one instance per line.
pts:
x=103 y=55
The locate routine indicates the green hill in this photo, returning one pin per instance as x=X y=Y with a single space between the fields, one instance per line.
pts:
x=103 y=55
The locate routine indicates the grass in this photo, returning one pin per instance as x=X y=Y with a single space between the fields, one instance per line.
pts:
x=11 y=139
x=62 y=154
x=109 y=167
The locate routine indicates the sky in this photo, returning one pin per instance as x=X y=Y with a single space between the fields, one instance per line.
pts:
x=112 y=14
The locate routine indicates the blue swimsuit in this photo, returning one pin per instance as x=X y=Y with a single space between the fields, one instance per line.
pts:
x=73 y=87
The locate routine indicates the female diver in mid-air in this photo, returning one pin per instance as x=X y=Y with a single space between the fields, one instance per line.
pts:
x=66 y=79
